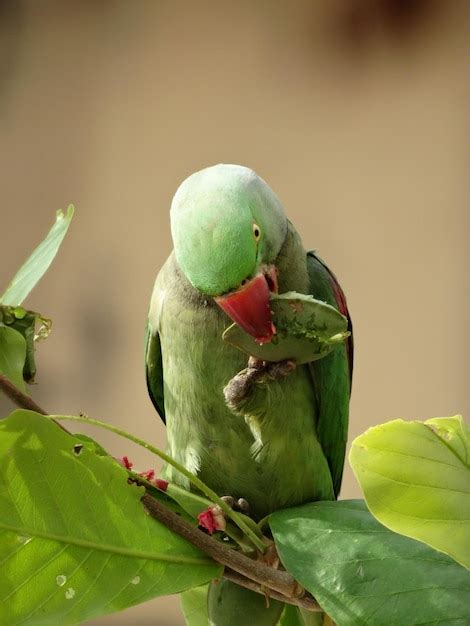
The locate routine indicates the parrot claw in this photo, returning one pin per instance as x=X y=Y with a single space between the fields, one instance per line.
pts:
x=238 y=389
x=239 y=504
x=271 y=370
x=243 y=506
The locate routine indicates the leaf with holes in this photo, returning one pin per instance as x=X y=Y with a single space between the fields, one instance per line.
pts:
x=34 y=268
x=75 y=542
x=362 y=573
x=416 y=480
x=306 y=330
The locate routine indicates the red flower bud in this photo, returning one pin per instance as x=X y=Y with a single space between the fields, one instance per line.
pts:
x=148 y=475
x=160 y=484
x=124 y=461
x=212 y=519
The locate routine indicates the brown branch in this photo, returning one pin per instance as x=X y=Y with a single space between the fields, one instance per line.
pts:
x=240 y=569
x=266 y=576
x=18 y=397
x=22 y=400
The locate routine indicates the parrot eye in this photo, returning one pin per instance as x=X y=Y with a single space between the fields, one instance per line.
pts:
x=256 y=232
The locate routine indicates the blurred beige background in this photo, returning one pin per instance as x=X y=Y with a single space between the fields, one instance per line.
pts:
x=355 y=113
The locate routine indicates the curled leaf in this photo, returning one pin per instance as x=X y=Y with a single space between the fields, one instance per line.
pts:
x=37 y=264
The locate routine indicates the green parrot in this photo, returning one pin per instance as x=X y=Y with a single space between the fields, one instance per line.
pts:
x=279 y=440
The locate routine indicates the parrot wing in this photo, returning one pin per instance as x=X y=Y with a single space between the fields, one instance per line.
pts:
x=153 y=357
x=332 y=375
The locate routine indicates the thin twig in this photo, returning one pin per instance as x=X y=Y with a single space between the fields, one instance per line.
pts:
x=22 y=400
x=264 y=575
x=306 y=602
x=18 y=397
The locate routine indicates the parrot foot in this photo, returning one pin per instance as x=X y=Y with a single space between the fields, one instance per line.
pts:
x=238 y=389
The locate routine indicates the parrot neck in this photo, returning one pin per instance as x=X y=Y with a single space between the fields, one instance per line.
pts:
x=191 y=295
x=291 y=263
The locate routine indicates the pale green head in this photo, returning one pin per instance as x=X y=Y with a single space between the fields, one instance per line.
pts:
x=226 y=223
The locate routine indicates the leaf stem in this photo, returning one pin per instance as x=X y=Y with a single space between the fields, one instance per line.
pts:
x=197 y=482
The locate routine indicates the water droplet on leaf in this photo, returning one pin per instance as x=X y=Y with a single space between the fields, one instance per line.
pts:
x=23 y=539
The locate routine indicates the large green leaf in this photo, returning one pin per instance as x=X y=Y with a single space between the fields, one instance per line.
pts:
x=194 y=606
x=12 y=356
x=362 y=573
x=74 y=539
x=416 y=480
x=36 y=265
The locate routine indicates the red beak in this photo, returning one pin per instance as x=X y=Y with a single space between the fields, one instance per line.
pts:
x=249 y=308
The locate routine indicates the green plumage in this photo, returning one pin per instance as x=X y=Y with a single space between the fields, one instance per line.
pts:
x=301 y=420
x=284 y=444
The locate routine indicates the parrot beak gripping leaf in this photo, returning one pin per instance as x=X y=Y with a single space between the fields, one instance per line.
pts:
x=249 y=307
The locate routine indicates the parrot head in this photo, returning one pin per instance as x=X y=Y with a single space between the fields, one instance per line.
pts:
x=228 y=227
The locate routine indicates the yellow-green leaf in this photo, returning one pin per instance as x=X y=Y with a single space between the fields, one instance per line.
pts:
x=75 y=541
x=416 y=480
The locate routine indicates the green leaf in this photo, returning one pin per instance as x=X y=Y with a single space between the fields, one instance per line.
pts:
x=93 y=445
x=75 y=541
x=25 y=322
x=293 y=616
x=12 y=356
x=37 y=264
x=228 y=604
x=362 y=573
x=416 y=480
x=194 y=606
